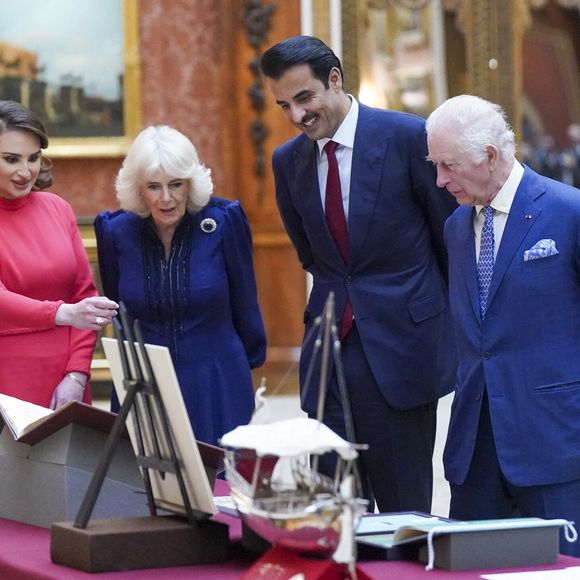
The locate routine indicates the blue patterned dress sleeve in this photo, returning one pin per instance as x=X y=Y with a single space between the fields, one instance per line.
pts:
x=243 y=293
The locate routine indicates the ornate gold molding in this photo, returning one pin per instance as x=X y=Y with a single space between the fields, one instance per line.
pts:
x=563 y=3
x=493 y=32
x=352 y=16
x=99 y=366
x=411 y=4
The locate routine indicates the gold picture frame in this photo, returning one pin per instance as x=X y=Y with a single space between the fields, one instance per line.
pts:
x=84 y=124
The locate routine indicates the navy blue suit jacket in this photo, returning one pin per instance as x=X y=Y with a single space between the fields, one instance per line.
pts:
x=527 y=350
x=395 y=275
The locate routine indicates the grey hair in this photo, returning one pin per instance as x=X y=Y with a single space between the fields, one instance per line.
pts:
x=162 y=148
x=477 y=123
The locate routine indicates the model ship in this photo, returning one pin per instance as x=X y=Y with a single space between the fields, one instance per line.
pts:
x=272 y=470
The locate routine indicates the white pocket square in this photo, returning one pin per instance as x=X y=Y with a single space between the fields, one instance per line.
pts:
x=542 y=249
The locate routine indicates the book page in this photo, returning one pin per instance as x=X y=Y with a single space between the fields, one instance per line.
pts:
x=408 y=533
x=419 y=530
x=391 y=522
x=18 y=414
x=398 y=528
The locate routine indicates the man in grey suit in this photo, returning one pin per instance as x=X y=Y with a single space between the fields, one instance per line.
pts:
x=379 y=248
x=513 y=446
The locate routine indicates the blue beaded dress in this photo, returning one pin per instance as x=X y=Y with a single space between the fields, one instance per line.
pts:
x=201 y=303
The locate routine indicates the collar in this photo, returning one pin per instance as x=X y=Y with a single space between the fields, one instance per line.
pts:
x=502 y=202
x=13 y=204
x=345 y=133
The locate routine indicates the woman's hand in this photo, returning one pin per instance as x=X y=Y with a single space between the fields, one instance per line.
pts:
x=89 y=314
x=71 y=388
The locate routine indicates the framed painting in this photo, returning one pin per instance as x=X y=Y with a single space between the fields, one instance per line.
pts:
x=76 y=65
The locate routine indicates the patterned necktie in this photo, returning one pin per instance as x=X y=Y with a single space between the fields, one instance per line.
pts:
x=486 y=259
x=336 y=221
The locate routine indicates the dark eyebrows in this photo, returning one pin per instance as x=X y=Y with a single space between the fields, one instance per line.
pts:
x=305 y=93
x=298 y=96
x=19 y=154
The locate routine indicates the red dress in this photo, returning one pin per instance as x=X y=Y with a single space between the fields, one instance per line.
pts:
x=42 y=264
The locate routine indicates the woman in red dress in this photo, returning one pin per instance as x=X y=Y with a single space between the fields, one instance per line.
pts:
x=49 y=308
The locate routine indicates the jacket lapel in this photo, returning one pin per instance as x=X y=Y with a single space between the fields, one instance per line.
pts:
x=309 y=200
x=523 y=214
x=370 y=146
x=466 y=256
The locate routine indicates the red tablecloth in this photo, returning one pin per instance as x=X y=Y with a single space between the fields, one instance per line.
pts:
x=25 y=555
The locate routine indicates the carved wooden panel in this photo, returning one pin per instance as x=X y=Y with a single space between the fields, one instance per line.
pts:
x=255 y=127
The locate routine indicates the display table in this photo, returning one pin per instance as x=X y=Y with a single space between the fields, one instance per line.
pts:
x=25 y=554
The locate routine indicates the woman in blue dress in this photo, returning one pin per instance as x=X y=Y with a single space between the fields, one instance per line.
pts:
x=181 y=261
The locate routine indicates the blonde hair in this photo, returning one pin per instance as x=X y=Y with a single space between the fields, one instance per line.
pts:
x=162 y=148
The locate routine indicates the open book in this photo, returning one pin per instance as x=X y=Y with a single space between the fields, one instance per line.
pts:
x=395 y=529
x=30 y=423
x=460 y=545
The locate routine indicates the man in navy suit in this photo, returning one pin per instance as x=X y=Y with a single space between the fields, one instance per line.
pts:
x=513 y=446
x=389 y=282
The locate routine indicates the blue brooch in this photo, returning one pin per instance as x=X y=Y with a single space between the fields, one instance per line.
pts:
x=208 y=225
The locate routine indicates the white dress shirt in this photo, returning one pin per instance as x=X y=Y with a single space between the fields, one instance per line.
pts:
x=502 y=204
x=344 y=136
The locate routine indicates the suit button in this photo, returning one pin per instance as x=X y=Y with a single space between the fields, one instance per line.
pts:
x=487 y=355
x=478 y=397
x=348 y=279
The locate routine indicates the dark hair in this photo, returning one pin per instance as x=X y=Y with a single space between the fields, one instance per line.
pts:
x=300 y=50
x=16 y=117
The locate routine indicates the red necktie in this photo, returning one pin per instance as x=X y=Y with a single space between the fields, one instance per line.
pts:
x=336 y=221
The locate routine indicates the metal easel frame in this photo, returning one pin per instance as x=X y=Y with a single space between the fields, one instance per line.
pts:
x=142 y=396
x=327 y=337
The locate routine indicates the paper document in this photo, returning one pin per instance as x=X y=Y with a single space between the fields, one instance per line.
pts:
x=565 y=574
